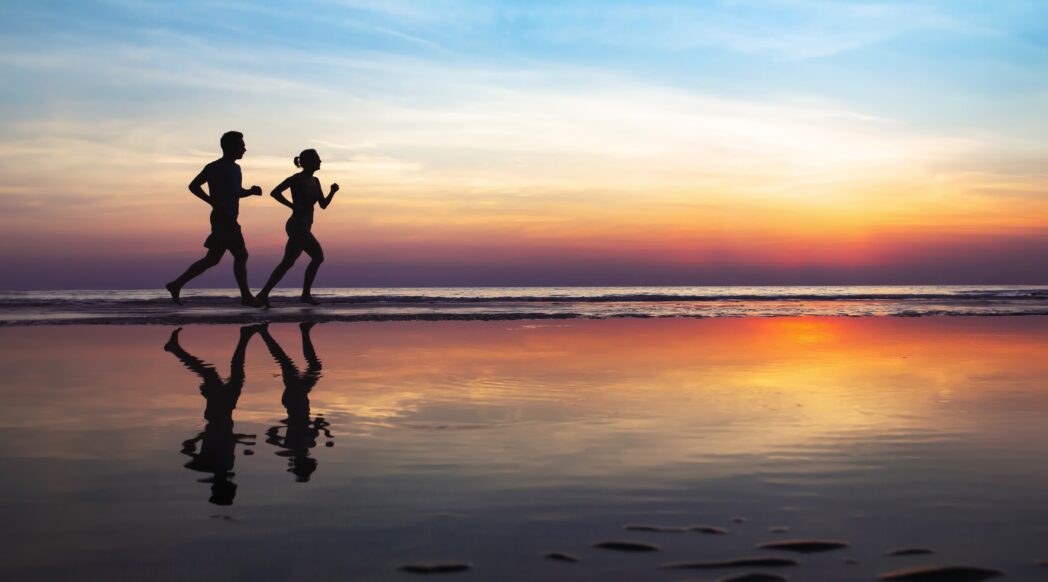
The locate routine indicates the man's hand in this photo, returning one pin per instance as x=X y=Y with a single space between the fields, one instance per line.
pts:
x=255 y=191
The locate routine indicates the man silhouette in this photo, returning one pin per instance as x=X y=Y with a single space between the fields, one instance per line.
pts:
x=224 y=191
x=218 y=441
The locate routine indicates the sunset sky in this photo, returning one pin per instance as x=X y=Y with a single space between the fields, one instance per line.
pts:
x=534 y=143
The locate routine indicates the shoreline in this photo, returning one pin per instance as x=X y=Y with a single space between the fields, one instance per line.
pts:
x=218 y=306
x=314 y=315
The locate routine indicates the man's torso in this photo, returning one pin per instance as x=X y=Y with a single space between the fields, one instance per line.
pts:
x=224 y=185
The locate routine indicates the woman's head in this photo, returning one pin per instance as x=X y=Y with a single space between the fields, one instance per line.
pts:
x=308 y=160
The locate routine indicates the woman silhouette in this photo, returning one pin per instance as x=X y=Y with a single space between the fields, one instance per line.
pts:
x=305 y=192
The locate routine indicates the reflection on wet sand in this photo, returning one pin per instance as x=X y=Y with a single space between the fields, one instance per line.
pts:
x=218 y=442
x=487 y=446
x=300 y=430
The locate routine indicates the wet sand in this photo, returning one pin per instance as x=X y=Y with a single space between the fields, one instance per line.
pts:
x=514 y=450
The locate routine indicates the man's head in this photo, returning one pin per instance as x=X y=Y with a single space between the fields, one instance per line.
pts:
x=232 y=143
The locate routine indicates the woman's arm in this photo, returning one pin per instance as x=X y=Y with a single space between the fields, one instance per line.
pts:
x=324 y=201
x=278 y=193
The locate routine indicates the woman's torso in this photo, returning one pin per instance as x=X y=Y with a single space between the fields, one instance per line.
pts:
x=305 y=192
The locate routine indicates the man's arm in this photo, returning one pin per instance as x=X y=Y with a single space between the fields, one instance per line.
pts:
x=252 y=191
x=278 y=193
x=196 y=187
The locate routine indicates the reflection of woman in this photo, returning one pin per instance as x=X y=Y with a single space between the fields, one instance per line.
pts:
x=300 y=432
x=218 y=442
x=305 y=192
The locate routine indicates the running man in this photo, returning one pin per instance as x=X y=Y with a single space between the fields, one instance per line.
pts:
x=218 y=441
x=224 y=191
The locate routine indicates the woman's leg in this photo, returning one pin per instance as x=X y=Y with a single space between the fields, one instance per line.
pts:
x=291 y=253
x=316 y=256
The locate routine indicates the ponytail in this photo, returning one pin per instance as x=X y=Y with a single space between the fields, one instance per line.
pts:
x=307 y=156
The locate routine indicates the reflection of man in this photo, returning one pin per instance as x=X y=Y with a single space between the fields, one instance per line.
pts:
x=301 y=432
x=225 y=189
x=218 y=441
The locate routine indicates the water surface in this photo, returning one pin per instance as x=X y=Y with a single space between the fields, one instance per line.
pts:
x=493 y=442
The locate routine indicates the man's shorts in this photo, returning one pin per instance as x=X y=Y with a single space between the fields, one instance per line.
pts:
x=225 y=235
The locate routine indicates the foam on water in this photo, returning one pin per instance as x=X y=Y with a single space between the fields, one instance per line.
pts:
x=491 y=303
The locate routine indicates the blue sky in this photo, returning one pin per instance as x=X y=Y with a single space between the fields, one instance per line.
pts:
x=519 y=120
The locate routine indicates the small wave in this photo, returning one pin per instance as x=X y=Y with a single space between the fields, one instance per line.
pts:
x=101 y=299
x=221 y=306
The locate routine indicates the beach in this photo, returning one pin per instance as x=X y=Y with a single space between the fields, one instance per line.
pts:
x=486 y=445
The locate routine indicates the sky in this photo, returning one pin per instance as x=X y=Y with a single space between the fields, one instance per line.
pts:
x=534 y=143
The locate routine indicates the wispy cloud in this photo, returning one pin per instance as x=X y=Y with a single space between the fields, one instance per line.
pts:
x=479 y=121
x=792 y=29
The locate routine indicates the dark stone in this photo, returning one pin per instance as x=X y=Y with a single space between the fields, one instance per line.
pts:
x=752 y=562
x=805 y=546
x=708 y=529
x=756 y=577
x=437 y=567
x=942 y=574
x=655 y=528
x=627 y=546
x=908 y=552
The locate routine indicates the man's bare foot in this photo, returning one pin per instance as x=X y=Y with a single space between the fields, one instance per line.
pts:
x=174 y=291
x=172 y=342
x=309 y=299
x=249 y=301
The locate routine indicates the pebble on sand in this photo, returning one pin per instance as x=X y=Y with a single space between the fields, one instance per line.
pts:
x=708 y=529
x=1043 y=563
x=249 y=452
x=908 y=552
x=437 y=567
x=561 y=557
x=656 y=528
x=942 y=574
x=739 y=519
x=752 y=562
x=755 y=577
x=779 y=529
x=850 y=561
x=804 y=546
x=627 y=546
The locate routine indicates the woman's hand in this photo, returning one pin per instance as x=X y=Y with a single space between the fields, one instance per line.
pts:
x=334 y=188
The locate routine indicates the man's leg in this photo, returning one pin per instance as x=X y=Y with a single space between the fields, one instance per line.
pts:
x=206 y=371
x=236 y=363
x=213 y=256
x=240 y=274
